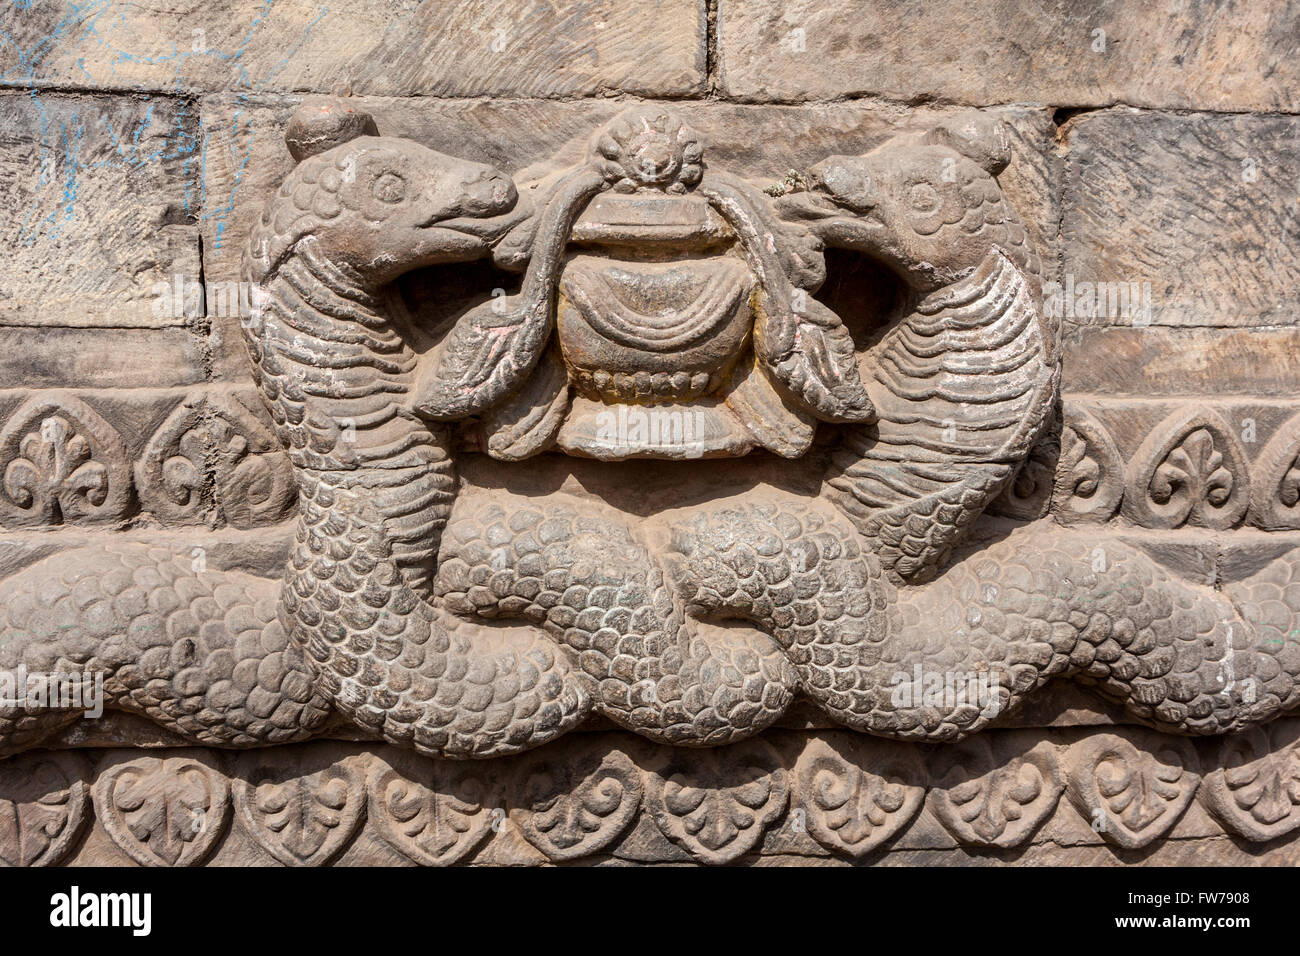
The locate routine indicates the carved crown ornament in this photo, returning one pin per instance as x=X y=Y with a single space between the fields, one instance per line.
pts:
x=450 y=590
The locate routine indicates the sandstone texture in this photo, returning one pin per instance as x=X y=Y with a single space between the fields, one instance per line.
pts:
x=693 y=432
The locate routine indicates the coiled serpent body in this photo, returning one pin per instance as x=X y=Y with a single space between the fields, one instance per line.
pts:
x=488 y=624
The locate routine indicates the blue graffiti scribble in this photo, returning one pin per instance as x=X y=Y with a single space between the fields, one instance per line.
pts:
x=181 y=149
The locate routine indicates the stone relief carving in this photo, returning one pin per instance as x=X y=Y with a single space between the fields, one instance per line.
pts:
x=43 y=809
x=789 y=795
x=212 y=447
x=164 y=811
x=63 y=462
x=1089 y=482
x=666 y=310
x=1190 y=470
x=230 y=454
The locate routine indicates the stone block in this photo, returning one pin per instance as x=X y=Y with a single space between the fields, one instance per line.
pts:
x=100 y=219
x=1183 y=220
x=404 y=48
x=1094 y=53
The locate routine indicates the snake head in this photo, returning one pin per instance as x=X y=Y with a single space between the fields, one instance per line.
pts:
x=402 y=205
x=378 y=206
x=928 y=207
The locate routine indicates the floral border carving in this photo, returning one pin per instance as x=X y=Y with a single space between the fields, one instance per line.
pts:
x=610 y=796
x=211 y=459
x=68 y=458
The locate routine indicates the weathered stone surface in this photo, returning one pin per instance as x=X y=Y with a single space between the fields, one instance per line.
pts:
x=44 y=810
x=158 y=456
x=664 y=314
x=1166 y=464
x=1095 y=795
x=246 y=156
x=1181 y=362
x=722 y=438
x=1222 y=56
x=100 y=219
x=374 y=46
x=1196 y=217
x=57 y=357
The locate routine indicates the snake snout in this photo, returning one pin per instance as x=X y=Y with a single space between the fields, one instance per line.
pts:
x=489 y=193
x=806 y=205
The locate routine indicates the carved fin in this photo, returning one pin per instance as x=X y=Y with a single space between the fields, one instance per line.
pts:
x=962 y=389
x=778 y=425
x=525 y=424
x=805 y=345
x=496 y=344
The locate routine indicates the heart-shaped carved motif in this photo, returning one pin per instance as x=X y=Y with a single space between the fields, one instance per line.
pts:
x=1132 y=794
x=989 y=799
x=42 y=807
x=857 y=794
x=164 y=811
x=1254 y=789
x=434 y=812
x=717 y=804
x=304 y=806
x=577 y=801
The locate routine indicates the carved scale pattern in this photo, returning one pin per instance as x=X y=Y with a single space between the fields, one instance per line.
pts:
x=373 y=621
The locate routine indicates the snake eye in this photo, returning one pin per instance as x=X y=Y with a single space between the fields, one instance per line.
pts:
x=389 y=187
x=924 y=199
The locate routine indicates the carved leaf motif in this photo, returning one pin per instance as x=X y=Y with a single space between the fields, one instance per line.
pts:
x=1190 y=469
x=525 y=424
x=806 y=347
x=171 y=475
x=255 y=483
x=775 y=422
x=1275 y=493
x=495 y=345
x=62 y=463
x=988 y=800
x=433 y=811
x=1029 y=492
x=215 y=441
x=857 y=794
x=164 y=811
x=1089 y=475
x=300 y=815
x=42 y=808
x=579 y=805
x=717 y=804
x=1132 y=794
x=1254 y=789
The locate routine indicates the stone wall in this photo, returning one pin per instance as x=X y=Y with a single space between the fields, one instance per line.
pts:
x=1155 y=163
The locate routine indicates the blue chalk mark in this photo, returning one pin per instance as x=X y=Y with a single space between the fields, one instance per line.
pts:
x=182 y=147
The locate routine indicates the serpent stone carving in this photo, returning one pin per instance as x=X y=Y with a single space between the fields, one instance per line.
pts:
x=666 y=310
